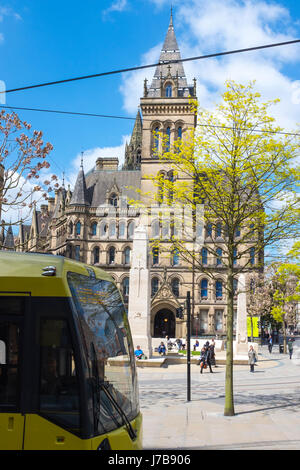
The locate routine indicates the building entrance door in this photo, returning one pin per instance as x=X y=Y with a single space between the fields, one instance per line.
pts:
x=164 y=324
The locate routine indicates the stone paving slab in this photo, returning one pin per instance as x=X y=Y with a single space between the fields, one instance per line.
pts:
x=267 y=407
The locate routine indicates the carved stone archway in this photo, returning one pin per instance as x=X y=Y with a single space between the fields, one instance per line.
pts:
x=164 y=324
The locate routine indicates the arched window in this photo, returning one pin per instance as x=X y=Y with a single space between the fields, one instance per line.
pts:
x=161 y=187
x=122 y=229
x=168 y=139
x=235 y=286
x=78 y=228
x=96 y=253
x=219 y=290
x=204 y=289
x=238 y=232
x=209 y=230
x=125 y=289
x=165 y=229
x=112 y=229
x=235 y=256
x=103 y=229
x=113 y=200
x=155 y=229
x=219 y=229
x=156 y=140
x=204 y=256
x=127 y=255
x=179 y=132
x=175 y=286
x=155 y=256
x=77 y=252
x=169 y=91
x=219 y=256
x=252 y=256
x=131 y=226
x=175 y=257
x=171 y=179
x=154 y=285
x=94 y=228
x=111 y=255
x=71 y=228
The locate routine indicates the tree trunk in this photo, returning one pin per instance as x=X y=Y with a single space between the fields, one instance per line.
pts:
x=284 y=336
x=229 y=403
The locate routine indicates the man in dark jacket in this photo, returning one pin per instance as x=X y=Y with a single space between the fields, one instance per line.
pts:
x=205 y=358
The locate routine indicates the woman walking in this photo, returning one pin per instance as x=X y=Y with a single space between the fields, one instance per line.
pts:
x=252 y=358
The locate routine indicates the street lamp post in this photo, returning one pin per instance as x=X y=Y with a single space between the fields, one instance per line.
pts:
x=188 y=344
x=179 y=314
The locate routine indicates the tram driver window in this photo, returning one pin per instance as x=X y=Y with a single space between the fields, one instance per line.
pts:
x=11 y=311
x=59 y=392
x=9 y=359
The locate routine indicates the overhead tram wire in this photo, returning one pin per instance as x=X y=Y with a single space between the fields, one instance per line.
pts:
x=141 y=67
x=108 y=116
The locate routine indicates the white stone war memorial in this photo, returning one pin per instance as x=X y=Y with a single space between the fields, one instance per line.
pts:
x=240 y=345
x=139 y=292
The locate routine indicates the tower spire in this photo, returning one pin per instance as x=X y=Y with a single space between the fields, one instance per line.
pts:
x=170 y=53
x=80 y=196
x=133 y=150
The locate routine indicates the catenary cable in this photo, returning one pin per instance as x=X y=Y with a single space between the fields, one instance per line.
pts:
x=141 y=67
x=75 y=113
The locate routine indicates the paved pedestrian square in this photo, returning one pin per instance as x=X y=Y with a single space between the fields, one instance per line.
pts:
x=267 y=406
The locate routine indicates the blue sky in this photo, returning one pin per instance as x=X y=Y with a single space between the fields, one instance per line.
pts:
x=50 y=40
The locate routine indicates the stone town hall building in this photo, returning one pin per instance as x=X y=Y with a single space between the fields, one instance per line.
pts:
x=95 y=224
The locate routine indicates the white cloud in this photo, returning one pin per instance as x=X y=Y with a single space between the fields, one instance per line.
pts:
x=133 y=83
x=4 y=12
x=117 y=5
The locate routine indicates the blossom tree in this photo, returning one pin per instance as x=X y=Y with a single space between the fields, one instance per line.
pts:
x=23 y=163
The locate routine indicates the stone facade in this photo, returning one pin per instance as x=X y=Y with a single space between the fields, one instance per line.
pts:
x=94 y=222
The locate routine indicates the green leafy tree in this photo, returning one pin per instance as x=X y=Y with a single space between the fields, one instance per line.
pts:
x=286 y=296
x=238 y=169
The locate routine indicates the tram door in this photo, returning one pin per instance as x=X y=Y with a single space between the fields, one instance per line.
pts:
x=11 y=419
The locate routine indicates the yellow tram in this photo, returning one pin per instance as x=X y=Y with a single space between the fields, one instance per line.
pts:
x=67 y=369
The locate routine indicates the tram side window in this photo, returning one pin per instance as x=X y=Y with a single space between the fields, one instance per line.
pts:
x=59 y=391
x=9 y=362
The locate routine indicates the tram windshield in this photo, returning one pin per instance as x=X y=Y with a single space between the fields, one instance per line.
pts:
x=107 y=336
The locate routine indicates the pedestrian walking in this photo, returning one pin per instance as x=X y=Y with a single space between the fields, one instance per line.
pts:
x=252 y=358
x=202 y=359
x=205 y=359
x=290 y=347
x=212 y=352
x=270 y=344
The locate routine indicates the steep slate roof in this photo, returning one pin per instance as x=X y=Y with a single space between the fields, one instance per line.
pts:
x=79 y=196
x=101 y=182
x=9 y=242
x=136 y=137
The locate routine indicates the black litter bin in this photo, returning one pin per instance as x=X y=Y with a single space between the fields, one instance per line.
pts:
x=281 y=348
